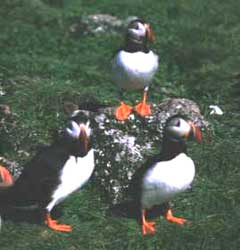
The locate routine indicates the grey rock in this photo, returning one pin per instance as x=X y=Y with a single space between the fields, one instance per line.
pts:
x=5 y=110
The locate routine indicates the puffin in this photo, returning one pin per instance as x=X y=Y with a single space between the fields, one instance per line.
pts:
x=165 y=175
x=134 y=67
x=55 y=172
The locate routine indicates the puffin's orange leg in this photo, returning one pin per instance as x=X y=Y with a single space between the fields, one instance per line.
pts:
x=143 y=109
x=148 y=227
x=169 y=216
x=53 y=224
x=6 y=177
x=123 y=111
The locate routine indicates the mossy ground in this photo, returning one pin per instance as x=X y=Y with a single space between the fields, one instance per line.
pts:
x=42 y=65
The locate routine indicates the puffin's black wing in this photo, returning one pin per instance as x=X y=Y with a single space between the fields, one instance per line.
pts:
x=40 y=177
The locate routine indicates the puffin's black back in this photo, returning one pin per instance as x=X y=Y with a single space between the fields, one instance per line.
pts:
x=39 y=178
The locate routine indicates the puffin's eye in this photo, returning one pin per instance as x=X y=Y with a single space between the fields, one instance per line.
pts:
x=178 y=123
x=135 y=26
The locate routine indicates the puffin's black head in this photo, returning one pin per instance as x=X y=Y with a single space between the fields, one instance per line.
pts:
x=179 y=129
x=79 y=132
x=139 y=32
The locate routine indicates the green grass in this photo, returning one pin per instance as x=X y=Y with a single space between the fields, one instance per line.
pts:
x=42 y=65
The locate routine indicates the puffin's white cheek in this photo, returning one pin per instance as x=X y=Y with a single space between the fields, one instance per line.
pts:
x=181 y=132
x=88 y=132
x=88 y=129
x=185 y=128
x=141 y=30
x=74 y=131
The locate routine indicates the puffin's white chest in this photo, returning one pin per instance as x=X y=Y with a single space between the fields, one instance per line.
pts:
x=134 y=70
x=75 y=173
x=163 y=181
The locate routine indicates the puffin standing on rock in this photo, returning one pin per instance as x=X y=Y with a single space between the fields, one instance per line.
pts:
x=134 y=66
x=55 y=172
x=168 y=174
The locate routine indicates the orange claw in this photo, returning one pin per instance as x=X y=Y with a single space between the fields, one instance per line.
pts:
x=7 y=178
x=123 y=111
x=53 y=224
x=143 y=109
x=169 y=216
x=148 y=227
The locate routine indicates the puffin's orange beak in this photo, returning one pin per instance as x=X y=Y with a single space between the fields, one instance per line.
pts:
x=84 y=138
x=197 y=133
x=150 y=33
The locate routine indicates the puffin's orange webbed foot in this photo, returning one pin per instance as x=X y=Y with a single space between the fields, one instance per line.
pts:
x=123 y=111
x=53 y=224
x=143 y=109
x=169 y=216
x=148 y=227
x=6 y=177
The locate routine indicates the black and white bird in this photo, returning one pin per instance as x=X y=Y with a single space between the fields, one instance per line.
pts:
x=168 y=174
x=134 y=66
x=55 y=172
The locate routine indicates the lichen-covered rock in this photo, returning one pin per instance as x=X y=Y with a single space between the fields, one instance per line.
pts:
x=98 y=24
x=4 y=110
x=122 y=147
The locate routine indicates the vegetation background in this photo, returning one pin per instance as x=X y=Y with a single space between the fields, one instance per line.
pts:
x=42 y=64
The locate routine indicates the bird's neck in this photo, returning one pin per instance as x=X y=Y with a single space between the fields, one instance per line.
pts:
x=74 y=148
x=131 y=46
x=171 y=148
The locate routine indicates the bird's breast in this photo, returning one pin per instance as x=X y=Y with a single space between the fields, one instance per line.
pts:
x=134 y=70
x=75 y=173
x=166 y=179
